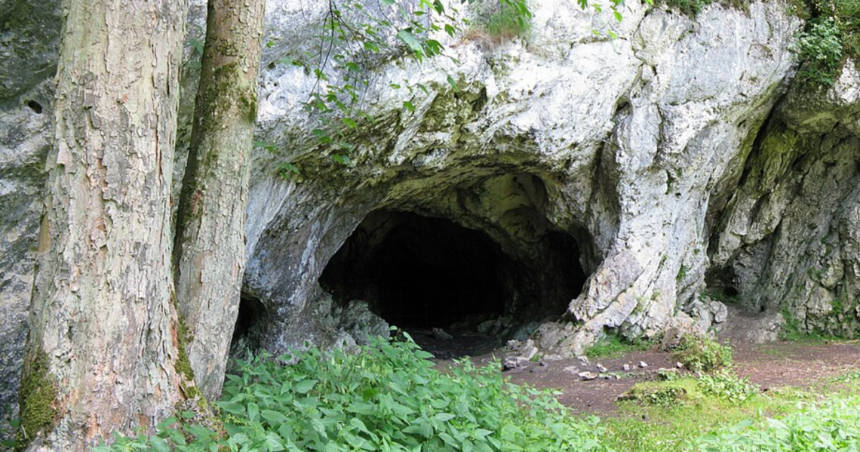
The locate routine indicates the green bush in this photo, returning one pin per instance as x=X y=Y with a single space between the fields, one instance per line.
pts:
x=701 y=354
x=611 y=346
x=387 y=397
x=832 y=34
x=835 y=425
x=820 y=48
x=688 y=7
x=725 y=385
x=503 y=20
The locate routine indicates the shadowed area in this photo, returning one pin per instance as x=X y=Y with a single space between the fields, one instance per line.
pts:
x=421 y=272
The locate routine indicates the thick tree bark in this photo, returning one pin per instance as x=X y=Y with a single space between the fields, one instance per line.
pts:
x=103 y=350
x=210 y=243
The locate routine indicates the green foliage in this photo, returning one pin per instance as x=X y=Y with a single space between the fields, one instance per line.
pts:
x=688 y=7
x=820 y=47
x=702 y=354
x=509 y=19
x=387 y=397
x=831 y=35
x=834 y=425
x=611 y=346
x=725 y=385
x=665 y=396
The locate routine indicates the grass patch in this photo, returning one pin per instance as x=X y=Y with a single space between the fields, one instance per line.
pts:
x=700 y=415
x=613 y=346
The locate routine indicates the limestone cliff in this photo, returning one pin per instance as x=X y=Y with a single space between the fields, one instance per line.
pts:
x=614 y=181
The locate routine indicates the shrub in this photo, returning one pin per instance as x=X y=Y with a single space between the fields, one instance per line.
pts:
x=820 y=48
x=666 y=396
x=387 y=397
x=688 y=7
x=727 y=386
x=502 y=21
x=611 y=346
x=701 y=354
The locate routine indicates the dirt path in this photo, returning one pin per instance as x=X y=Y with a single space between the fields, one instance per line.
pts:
x=769 y=366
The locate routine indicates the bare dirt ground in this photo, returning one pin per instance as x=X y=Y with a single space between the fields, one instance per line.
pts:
x=772 y=365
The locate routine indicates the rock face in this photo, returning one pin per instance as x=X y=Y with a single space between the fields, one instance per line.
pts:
x=29 y=40
x=788 y=240
x=610 y=182
x=630 y=147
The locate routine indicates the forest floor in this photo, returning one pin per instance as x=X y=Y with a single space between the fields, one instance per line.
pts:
x=801 y=365
x=788 y=375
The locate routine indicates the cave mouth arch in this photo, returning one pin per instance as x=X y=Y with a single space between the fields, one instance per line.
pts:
x=420 y=272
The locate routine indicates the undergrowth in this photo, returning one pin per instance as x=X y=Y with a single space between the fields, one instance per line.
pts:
x=701 y=354
x=611 y=346
x=704 y=419
x=831 y=36
x=831 y=425
x=725 y=385
x=502 y=21
x=387 y=397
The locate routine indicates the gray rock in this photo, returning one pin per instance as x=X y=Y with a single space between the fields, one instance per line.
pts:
x=626 y=367
x=643 y=364
x=486 y=326
x=441 y=335
x=588 y=376
x=514 y=363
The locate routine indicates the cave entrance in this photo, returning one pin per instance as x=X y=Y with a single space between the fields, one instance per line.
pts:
x=421 y=273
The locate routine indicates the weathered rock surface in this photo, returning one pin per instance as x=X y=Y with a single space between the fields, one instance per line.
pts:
x=671 y=160
x=788 y=239
x=29 y=40
x=623 y=145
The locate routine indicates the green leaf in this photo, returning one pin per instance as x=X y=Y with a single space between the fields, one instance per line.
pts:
x=444 y=417
x=273 y=417
x=253 y=411
x=232 y=408
x=408 y=106
x=452 y=82
x=167 y=423
x=407 y=37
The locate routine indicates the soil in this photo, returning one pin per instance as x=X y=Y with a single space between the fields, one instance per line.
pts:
x=780 y=364
x=773 y=365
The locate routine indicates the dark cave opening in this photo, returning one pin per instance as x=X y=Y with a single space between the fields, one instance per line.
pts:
x=419 y=272
x=250 y=321
x=425 y=272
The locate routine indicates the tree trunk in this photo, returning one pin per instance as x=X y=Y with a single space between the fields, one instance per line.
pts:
x=210 y=240
x=103 y=350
